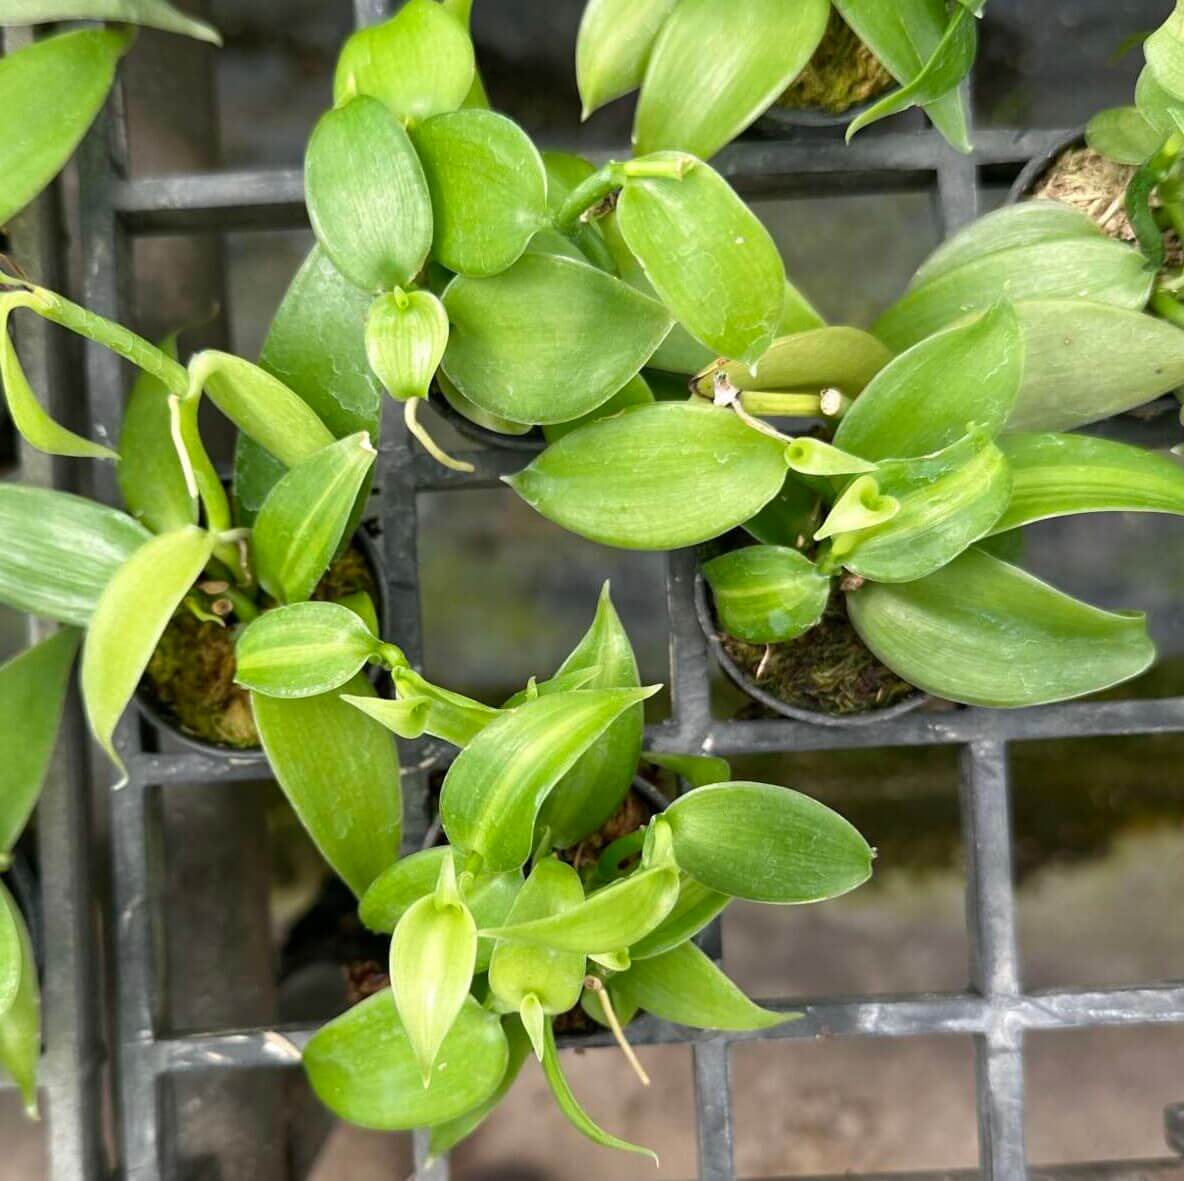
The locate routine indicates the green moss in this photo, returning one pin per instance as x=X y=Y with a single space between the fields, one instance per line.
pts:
x=842 y=73
x=828 y=669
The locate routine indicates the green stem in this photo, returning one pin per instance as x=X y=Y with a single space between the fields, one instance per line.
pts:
x=666 y=167
x=245 y=608
x=587 y=194
x=1167 y=307
x=781 y=405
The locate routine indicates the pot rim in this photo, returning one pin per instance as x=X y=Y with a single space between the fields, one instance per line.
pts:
x=783 y=117
x=159 y=715
x=741 y=679
x=531 y=443
x=1037 y=166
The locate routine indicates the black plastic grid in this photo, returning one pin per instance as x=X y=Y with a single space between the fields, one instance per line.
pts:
x=995 y=1009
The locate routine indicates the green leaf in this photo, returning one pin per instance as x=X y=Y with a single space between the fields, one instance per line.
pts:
x=150 y=474
x=809 y=456
x=790 y=518
x=10 y=953
x=488 y=188
x=302 y=522
x=983 y=632
x=367 y=197
x=766 y=844
x=554 y=978
x=1164 y=51
x=131 y=615
x=424 y=708
x=474 y=413
x=1097 y=269
x=37 y=428
x=683 y=985
x=446 y=1136
x=1123 y=134
x=59 y=551
x=741 y=57
x=766 y=594
x=419 y=63
x=1161 y=109
x=1030 y=223
x=549 y=339
x=340 y=773
x=609 y=920
x=706 y=254
x=859 y=506
x=613 y=47
x=315 y=346
x=925 y=399
x=635 y=392
x=303 y=649
x=657 y=477
x=153 y=14
x=494 y=789
x=362 y=1067
x=904 y=35
x=697 y=770
x=1055 y=475
x=948 y=500
x=32 y=693
x=20 y=1020
x=600 y=780
x=1085 y=361
x=406 y=332
x=575 y=1114
x=697 y=906
x=942 y=73
x=50 y=93
x=433 y=954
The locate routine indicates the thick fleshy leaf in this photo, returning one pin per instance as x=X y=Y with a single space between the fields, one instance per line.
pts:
x=790 y=518
x=32 y=692
x=406 y=332
x=766 y=844
x=50 y=93
x=494 y=789
x=903 y=35
x=10 y=954
x=362 y=1067
x=340 y=772
x=367 y=197
x=433 y=953
x=613 y=47
x=59 y=551
x=928 y=397
x=1097 y=269
x=302 y=522
x=315 y=346
x=150 y=474
x=419 y=63
x=1085 y=361
x=609 y=920
x=424 y=708
x=809 y=456
x=697 y=906
x=488 y=187
x=766 y=594
x=947 y=502
x=153 y=14
x=983 y=632
x=1164 y=50
x=697 y=770
x=1055 y=475
x=657 y=477
x=593 y=789
x=303 y=650
x=860 y=506
x=741 y=58
x=37 y=428
x=131 y=615
x=554 y=978
x=1029 y=223
x=684 y=986
x=941 y=74
x=1123 y=134
x=635 y=392
x=20 y=1020
x=707 y=256
x=1160 y=108
x=549 y=339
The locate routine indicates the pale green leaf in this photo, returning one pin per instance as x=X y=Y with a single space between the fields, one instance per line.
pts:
x=340 y=772
x=131 y=615
x=362 y=1067
x=766 y=844
x=20 y=1021
x=1161 y=109
x=656 y=477
x=635 y=392
x=859 y=506
x=697 y=770
x=424 y=708
x=549 y=339
x=1164 y=51
x=790 y=518
x=406 y=333
x=153 y=14
x=613 y=47
x=766 y=594
x=697 y=906
x=59 y=551
x=983 y=632
x=1124 y=135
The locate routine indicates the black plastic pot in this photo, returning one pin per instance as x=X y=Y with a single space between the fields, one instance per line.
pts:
x=739 y=677
x=531 y=442
x=779 y=118
x=162 y=717
x=1036 y=168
